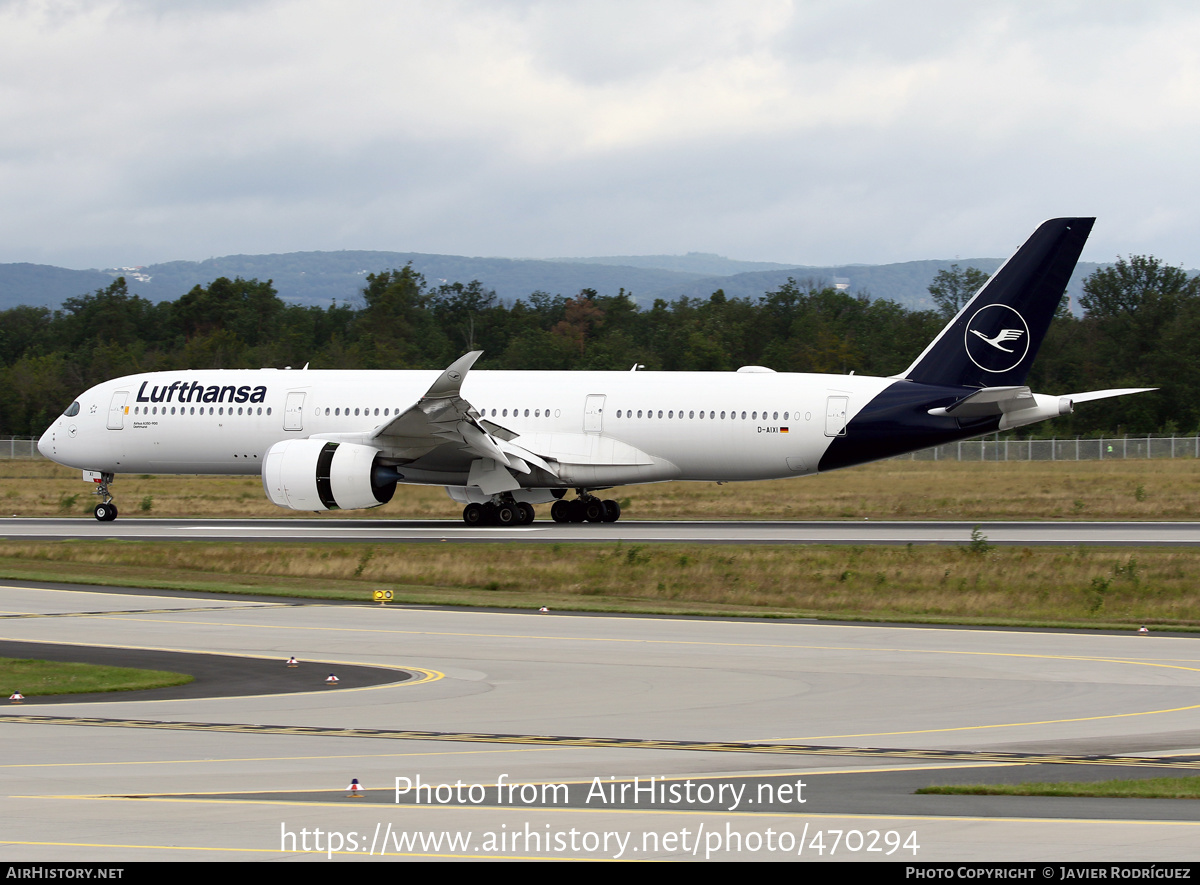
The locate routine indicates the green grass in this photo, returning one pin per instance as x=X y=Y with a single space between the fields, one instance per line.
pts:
x=1149 y=788
x=36 y=678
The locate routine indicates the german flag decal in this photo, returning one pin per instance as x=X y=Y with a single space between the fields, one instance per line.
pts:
x=783 y=430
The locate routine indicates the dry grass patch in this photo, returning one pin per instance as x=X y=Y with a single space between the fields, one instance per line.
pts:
x=1148 y=788
x=1090 y=586
x=1122 y=490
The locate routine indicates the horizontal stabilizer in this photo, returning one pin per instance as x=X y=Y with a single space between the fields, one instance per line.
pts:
x=1105 y=394
x=989 y=401
x=1039 y=407
x=1019 y=406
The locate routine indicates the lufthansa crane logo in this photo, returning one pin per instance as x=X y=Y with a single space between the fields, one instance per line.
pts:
x=997 y=338
x=1005 y=335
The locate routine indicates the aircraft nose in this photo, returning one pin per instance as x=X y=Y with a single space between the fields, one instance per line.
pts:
x=45 y=443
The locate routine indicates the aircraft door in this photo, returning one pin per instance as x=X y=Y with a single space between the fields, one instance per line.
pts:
x=835 y=415
x=293 y=411
x=593 y=413
x=116 y=410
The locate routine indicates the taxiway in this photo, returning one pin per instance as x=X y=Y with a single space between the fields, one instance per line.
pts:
x=859 y=714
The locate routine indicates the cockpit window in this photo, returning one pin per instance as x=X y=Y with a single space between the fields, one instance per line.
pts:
x=72 y=410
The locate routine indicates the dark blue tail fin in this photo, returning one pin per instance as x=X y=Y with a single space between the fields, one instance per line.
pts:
x=994 y=338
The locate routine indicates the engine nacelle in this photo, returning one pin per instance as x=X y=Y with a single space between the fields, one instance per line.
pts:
x=318 y=474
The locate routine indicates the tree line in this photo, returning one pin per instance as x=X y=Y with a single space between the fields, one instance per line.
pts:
x=1140 y=328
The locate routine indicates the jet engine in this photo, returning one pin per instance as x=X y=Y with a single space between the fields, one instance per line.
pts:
x=319 y=474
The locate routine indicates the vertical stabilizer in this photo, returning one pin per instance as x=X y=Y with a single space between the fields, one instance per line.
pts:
x=994 y=338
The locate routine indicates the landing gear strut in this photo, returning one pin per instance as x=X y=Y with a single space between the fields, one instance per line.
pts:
x=586 y=508
x=106 y=510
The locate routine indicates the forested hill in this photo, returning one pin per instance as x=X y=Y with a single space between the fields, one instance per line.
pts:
x=318 y=278
x=1141 y=329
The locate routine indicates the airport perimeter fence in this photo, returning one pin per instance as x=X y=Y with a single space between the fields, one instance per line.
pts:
x=13 y=447
x=1074 y=449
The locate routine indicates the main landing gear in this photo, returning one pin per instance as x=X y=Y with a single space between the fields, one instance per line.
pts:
x=106 y=510
x=502 y=510
x=585 y=508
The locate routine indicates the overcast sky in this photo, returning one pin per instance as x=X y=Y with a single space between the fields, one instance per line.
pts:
x=138 y=131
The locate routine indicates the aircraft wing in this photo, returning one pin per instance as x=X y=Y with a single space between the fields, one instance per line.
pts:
x=443 y=416
x=493 y=454
x=433 y=420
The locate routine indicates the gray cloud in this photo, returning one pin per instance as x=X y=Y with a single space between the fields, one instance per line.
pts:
x=818 y=133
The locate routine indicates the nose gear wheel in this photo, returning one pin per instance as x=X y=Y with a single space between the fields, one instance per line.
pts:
x=106 y=510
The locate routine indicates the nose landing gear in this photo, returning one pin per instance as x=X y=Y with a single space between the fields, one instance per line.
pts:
x=106 y=510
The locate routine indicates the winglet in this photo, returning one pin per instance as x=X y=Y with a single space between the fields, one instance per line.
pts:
x=449 y=383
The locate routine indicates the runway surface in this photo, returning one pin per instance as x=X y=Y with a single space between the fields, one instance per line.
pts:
x=520 y=735
x=847 y=532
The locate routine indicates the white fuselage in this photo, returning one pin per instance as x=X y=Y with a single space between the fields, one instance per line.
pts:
x=695 y=425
